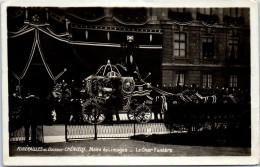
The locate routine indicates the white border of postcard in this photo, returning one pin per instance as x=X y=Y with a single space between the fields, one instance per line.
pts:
x=196 y=160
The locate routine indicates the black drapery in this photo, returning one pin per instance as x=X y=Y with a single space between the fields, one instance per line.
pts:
x=79 y=60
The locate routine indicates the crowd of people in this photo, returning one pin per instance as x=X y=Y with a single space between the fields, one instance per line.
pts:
x=66 y=98
x=67 y=91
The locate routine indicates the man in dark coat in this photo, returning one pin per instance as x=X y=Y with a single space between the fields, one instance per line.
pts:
x=31 y=115
x=75 y=105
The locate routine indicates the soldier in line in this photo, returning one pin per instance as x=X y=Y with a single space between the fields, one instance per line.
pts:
x=31 y=114
x=75 y=106
x=158 y=109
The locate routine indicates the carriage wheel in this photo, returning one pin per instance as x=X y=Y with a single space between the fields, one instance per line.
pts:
x=92 y=114
x=141 y=114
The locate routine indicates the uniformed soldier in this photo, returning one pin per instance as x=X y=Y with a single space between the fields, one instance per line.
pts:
x=31 y=112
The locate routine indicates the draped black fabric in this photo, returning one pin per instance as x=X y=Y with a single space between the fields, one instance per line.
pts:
x=86 y=14
x=57 y=53
x=149 y=61
x=80 y=61
x=131 y=15
x=19 y=51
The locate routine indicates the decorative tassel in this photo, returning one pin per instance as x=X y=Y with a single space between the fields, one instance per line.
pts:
x=86 y=33
x=131 y=59
x=47 y=14
x=26 y=14
x=108 y=36
x=67 y=24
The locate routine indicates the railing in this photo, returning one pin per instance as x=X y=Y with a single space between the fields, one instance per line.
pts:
x=178 y=119
x=200 y=117
x=17 y=129
x=124 y=128
x=19 y=135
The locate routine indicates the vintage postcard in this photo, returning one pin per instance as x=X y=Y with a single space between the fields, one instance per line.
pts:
x=130 y=82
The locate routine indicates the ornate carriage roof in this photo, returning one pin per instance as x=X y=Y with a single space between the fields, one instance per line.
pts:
x=108 y=70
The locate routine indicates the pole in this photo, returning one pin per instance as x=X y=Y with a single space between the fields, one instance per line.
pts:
x=66 y=132
x=42 y=134
x=95 y=124
x=134 y=122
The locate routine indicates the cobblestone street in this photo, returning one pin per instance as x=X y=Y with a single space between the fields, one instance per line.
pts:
x=121 y=147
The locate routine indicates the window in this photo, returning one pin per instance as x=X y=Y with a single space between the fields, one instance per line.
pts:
x=234 y=12
x=179 y=44
x=180 y=79
x=207 y=11
x=207 y=80
x=233 y=47
x=233 y=81
x=180 y=10
x=208 y=47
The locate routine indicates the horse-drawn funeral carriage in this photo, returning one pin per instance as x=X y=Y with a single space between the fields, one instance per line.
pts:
x=111 y=93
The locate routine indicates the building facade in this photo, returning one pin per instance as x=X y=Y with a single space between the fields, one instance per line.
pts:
x=212 y=54
x=209 y=47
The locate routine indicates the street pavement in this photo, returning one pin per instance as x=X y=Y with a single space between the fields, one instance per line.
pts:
x=56 y=145
x=120 y=147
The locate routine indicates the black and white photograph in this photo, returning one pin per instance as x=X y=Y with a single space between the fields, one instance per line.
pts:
x=163 y=84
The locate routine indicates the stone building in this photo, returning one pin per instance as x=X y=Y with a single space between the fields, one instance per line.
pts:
x=212 y=51
x=209 y=47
